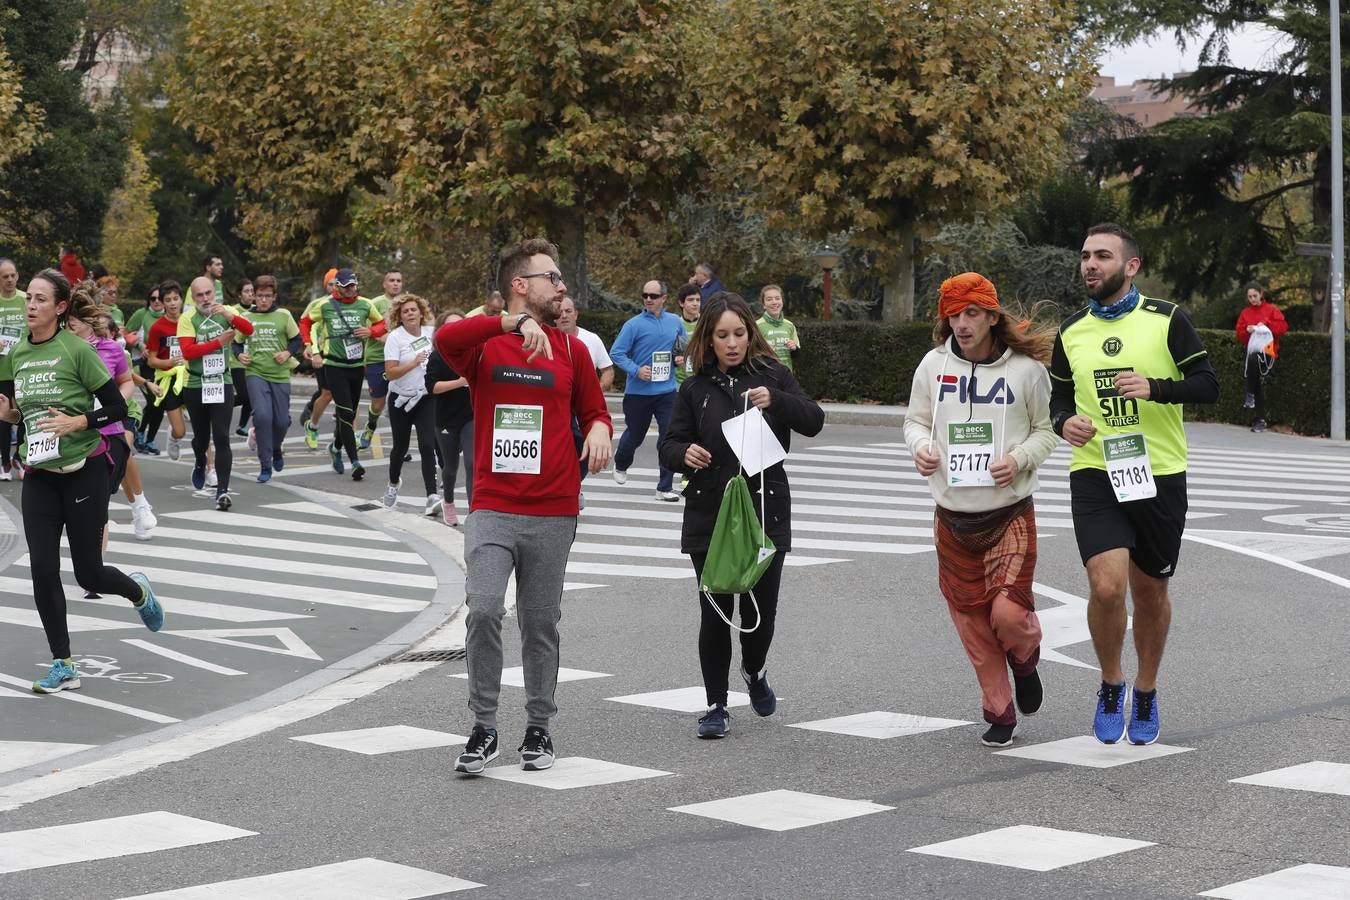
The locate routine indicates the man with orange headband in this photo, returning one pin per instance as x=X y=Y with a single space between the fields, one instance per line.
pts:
x=978 y=427
x=321 y=397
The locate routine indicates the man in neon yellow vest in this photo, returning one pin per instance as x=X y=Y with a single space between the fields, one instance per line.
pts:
x=1121 y=369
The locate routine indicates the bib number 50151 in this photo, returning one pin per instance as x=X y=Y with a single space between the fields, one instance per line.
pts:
x=1128 y=467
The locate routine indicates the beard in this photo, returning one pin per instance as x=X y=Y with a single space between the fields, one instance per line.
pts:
x=1108 y=286
x=546 y=311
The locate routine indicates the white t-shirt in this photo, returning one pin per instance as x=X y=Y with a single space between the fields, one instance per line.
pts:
x=399 y=347
x=599 y=356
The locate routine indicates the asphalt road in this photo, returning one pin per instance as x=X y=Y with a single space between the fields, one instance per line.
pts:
x=1253 y=684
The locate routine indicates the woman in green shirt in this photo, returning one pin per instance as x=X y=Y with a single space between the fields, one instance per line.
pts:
x=57 y=377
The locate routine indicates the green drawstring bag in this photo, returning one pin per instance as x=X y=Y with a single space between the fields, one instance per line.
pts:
x=740 y=551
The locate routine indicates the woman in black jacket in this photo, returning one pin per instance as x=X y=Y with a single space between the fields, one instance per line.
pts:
x=731 y=359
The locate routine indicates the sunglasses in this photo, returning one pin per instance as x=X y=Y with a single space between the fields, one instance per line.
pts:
x=646 y=296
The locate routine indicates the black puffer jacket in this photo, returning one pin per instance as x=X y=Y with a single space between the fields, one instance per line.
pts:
x=706 y=400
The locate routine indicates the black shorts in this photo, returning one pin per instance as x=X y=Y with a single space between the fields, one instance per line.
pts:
x=119 y=453
x=1151 y=529
x=321 y=377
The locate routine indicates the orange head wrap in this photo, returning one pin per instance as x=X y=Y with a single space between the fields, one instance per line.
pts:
x=328 y=277
x=960 y=291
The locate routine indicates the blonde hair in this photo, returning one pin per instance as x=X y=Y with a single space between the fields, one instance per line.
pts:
x=395 y=314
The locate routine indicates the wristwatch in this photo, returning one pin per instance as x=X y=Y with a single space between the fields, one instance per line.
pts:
x=521 y=321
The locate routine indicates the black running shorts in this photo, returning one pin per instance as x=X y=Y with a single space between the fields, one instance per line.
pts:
x=1151 y=529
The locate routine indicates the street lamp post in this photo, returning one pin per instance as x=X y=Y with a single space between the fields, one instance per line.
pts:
x=1337 y=236
x=828 y=258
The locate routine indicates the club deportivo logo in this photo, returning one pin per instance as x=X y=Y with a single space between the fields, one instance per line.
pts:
x=1112 y=346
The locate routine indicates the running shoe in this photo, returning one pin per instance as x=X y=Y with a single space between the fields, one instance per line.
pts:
x=1259 y=426
x=335 y=457
x=581 y=502
x=211 y=480
x=391 y=496
x=143 y=522
x=1144 y=723
x=92 y=595
x=311 y=436
x=139 y=442
x=620 y=477
x=358 y=471
x=434 y=502
x=175 y=448
x=252 y=438
x=480 y=750
x=61 y=677
x=5 y=474
x=152 y=614
x=1109 y=722
x=151 y=449
x=198 y=475
x=366 y=437
x=715 y=723
x=278 y=462
x=1249 y=402
x=1029 y=693
x=242 y=432
x=999 y=736
x=223 y=501
x=536 y=751
x=264 y=476
x=668 y=496
x=762 y=698
x=449 y=515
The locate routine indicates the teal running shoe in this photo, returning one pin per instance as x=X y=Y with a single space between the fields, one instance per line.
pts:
x=61 y=677
x=152 y=614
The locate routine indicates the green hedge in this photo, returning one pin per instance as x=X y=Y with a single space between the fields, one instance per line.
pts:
x=853 y=362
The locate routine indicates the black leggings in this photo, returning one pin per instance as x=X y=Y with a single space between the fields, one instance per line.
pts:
x=451 y=440
x=402 y=422
x=714 y=638
x=77 y=502
x=211 y=424
x=1257 y=367
x=6 y=388
x=345 y=385
x=241 y=398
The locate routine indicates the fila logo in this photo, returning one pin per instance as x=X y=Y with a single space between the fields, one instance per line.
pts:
x=967 y=389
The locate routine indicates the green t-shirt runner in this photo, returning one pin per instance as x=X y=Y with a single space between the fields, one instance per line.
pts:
x=204 y=329
x=272 y=330
x=339 y=323
x=13 y=326
x=778 y=332
x=686 y=370
x=62 y=373
x=375 y=346
x=143 y=320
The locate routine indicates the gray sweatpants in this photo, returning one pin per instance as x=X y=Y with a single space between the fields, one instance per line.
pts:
x=536 y=547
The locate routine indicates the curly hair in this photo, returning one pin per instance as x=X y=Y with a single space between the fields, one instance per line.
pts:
x=395 y=318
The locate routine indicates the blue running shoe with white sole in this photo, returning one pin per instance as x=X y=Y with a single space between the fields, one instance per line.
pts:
x=335 y=457
x=61 y=677
x=1144 y=722
x=199 y=477
x=152 y=614
x=762 y=698
x=1109 y=722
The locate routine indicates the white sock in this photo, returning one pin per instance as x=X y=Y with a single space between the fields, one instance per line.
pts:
x=140 y=502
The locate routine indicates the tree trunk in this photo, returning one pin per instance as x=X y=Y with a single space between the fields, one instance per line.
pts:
x=897 y=304
x=571 y=238
x=497 y=239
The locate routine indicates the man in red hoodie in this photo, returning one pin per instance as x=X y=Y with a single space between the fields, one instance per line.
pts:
x=1262 y=349
x=526 y=379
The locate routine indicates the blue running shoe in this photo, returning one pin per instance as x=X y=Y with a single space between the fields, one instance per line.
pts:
x=762 y=698
x=1144 y=724
x=1109 y=722
x=264 y=476
x=335 y=455
x=278 y=462
x=151 y=449
x=715 y=723
x=199 y=476
x=61 y=677
x=152 y=614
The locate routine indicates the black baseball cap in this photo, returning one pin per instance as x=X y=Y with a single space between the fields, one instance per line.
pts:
x=345 y=277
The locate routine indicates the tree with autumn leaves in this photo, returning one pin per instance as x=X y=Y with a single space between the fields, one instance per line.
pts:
x=873 y=119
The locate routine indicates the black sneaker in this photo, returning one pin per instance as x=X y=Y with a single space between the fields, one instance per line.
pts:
x=223 y=501
x=358 y=471
x=762 y=698
x=715 y=723
x=999 y=736
x=536 y=751
x=478 y=752
x=1259 y=425
x=1249 y=402
x=1029 y=693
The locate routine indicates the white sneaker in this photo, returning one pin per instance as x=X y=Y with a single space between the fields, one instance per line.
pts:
x=620 y=477
x=391 y=496
x=5 y=474
x=668 y=496
x=434 y=502
x=581 y=501
x=448 y=514
x=143 y=523
x=145 y=514
x=175 y=447
x=211 y=480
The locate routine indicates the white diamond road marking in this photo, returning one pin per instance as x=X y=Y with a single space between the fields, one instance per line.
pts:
x=1317 y=776
x=1087 y=751
x=59 y=845
x=356 y=879
x=388 y=739
x=573 y=772
x=1306 y=882
x=781 y=810
x=685 y=700
x=881 y=725
x=514 y=676
x=22 y=754
x=1031 y=847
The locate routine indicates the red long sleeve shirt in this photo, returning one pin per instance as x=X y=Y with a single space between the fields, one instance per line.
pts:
x=1267 y=314
x=192 y=350
x=494 y=363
